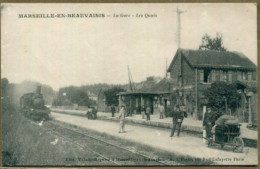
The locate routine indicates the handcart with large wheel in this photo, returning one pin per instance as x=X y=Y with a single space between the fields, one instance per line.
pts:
x=227 y=134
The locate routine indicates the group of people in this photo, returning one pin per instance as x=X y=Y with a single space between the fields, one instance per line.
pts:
x=92 y=113
x=178 y=116
x=147 y=111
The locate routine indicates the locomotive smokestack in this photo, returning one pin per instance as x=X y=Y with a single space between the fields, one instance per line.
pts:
x=38 y=90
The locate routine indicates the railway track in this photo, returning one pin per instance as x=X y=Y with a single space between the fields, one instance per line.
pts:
x=55 y=133
x=86 y=149
x=106 y=151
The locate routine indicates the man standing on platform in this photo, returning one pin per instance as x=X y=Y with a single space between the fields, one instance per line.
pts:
x=122 y=119
x=143 y=112
x=161 y=111
x=148 y=112
x=113 y=110
x=177 y=119
x=207 y=122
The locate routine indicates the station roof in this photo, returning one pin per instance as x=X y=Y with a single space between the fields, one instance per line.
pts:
x=141 y=93
x=161 y=87
x=214 y=59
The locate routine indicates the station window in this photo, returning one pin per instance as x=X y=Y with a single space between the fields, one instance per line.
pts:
x=253 y=75
x=221 y=75
x=213 y=76
x=206 y=76
x=244 y=75
x=239 y=75
x=201 y=76
x=249 y=76
x=225 y=76
x=230 y=76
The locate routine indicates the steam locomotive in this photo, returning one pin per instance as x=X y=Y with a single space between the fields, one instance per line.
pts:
x=32 y=105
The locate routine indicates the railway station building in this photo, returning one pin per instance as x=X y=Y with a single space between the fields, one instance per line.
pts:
x=191 y=72
x=151 y=94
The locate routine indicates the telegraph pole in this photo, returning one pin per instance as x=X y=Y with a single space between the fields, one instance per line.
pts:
x=181 y=90
x=179 y=12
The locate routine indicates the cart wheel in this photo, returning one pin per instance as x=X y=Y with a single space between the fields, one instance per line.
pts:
x=238 y=145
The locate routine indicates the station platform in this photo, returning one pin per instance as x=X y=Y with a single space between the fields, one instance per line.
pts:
x=189 y=124
x=188 y=146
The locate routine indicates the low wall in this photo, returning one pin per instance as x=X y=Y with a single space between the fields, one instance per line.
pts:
x=84 y=108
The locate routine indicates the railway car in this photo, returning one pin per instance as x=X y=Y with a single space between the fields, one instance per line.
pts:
x=32 y=105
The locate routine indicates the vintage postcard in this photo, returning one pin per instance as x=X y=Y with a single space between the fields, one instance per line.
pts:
x=158 y=84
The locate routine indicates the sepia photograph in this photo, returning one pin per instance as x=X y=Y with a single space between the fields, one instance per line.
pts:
x=129 y=84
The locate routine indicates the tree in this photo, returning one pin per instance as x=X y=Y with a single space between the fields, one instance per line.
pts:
x=4 y=94
x=209 y=43
x=72 y=95
x=111 y=95
x=220 y=94
x=4 y=84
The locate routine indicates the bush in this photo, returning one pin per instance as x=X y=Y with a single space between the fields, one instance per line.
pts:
x=219 y=93
x=169 y=111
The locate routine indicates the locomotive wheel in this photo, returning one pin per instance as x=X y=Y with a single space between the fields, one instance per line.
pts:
x=238 y=145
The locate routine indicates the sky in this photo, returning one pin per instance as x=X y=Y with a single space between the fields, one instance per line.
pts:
x=78 y=51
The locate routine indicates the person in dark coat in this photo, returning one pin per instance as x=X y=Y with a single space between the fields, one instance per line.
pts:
x=208 y=122
x=143 y=112
x=177 y=119
x=215 y=117
x=89 y=113
x=113 y=110
x=94 y=112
